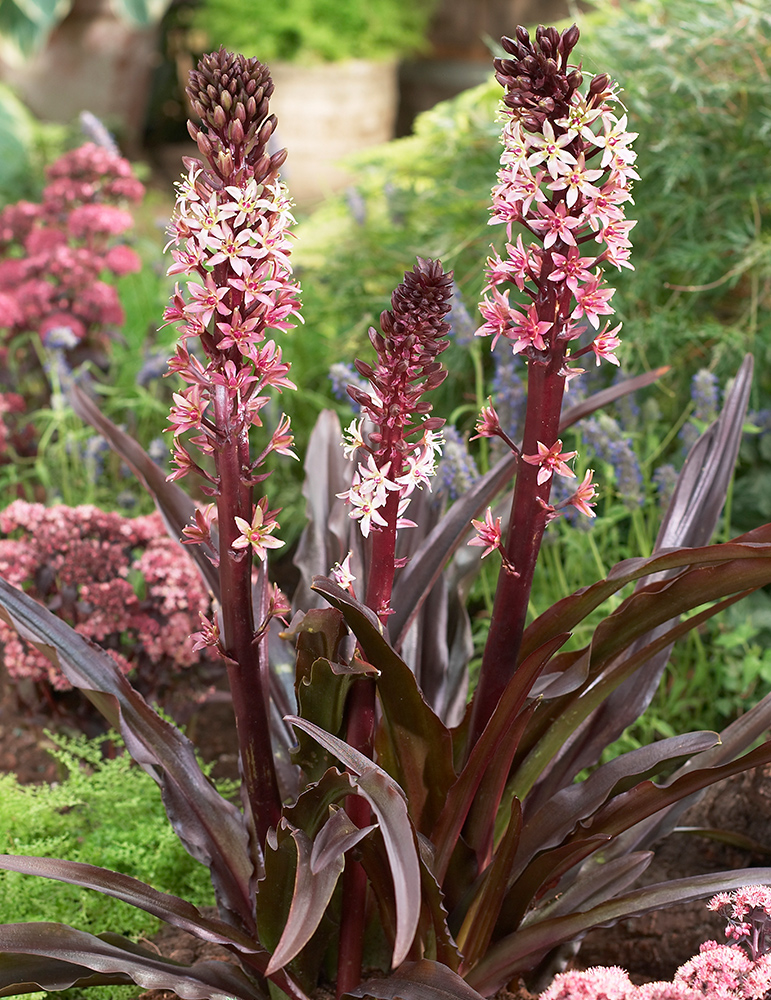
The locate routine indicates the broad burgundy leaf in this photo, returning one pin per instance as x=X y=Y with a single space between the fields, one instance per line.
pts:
x=111 y=954
x=175 y=505
x=316 y=876
x=211 y=828
x=175 y=911
x=523 y=950
x=597 y=880
x=419 y=741
x=390 y=807
x=422 y=980
x=690 y=520
x=20 y=974
x=548 y=825
x=567 y=613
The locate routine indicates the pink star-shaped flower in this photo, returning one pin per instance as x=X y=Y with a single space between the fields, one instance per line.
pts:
x=551 y=460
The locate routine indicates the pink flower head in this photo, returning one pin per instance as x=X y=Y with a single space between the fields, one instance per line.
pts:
x=258 y=534
x=605 y=345
x=593 y=301
x=556 y=224
x=551 y=460
x=584 y=495
x=488 y=423
x=527 y=330
x=611 y=983
x=488 y=534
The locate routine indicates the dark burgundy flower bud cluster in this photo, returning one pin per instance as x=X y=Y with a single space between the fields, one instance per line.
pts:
x=230 y=94
x=413 y=336
x=537 y=80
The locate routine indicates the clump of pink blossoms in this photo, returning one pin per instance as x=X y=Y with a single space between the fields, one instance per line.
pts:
x=58 y=258
x=80 y=563
x=738 y=971
x=563 y=186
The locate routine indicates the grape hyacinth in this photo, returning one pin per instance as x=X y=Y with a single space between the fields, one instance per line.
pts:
x=565 y=178
x=230 y=242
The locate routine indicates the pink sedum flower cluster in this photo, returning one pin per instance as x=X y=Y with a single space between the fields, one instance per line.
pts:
x=738 y=971
x=59 y=258
x=119 y=581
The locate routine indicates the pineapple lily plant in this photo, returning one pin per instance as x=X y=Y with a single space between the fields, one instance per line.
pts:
x=383 y=824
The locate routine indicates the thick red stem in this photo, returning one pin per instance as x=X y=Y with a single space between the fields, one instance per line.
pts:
x=545 y=388
x=243 y=654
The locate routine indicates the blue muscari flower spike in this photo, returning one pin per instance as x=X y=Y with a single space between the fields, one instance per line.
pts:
x=705 y=395
x=605 y=439
x=462 y=326
x=457 y=471
x=664 y=479
x=341 y=375
x=510 y=394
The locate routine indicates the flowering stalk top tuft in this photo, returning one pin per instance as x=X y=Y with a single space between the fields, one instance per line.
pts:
x=403 y=447
x=230 y=241
x=564 y=181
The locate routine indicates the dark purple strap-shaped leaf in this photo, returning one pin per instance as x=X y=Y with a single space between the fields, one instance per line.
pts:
x=175 y=911
x=20 y=974
x=690 y=520
x=597 y=880
x=390 y=807
x=578 y=707
x=420 y=741
x=543 y=873
x=500 y=739
x=211 y=829
x=319 y=865
x=422 y=980
x=586 y=407
x=523 y=950
x=734 y=739
x=175 y=505
x=492 y=754
x=547 y=826
x=419 y=576
x=482 y=916
x=56 y=946
x=566 y=614
x=647 y=798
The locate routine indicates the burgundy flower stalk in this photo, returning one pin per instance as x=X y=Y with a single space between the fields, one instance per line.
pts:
x=402 y=450
x=230 y=240
x=400 y=457
x=565 y=176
